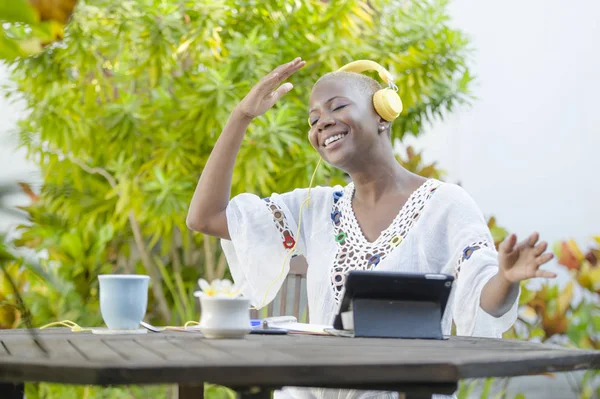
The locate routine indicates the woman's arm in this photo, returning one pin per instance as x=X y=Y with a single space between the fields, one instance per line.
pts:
x=207 y=209
x=516 y=263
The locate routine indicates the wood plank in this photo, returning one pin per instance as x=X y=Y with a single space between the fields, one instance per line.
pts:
x=198 y=349
x=270 y=308
x=22 y=346
x=4 y=349
x=96 y=350
x=167 y=350
x=132 y=351
x=297 y=296
x=255 y=352
x=283 y=297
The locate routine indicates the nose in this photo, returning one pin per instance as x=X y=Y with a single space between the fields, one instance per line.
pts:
x=325 y=121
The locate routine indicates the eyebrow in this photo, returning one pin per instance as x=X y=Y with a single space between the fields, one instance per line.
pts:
x=328 y=101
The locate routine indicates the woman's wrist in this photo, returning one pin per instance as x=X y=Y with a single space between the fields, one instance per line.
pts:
x=242 y=116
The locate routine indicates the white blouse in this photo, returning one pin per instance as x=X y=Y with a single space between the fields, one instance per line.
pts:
x=440 y=229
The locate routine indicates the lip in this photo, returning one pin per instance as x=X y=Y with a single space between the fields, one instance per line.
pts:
x=334 y=144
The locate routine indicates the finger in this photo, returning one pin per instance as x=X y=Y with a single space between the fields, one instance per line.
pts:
x=508 y=244
x=544 y=274
x=540 y=248
x=533 y=239
x=291 y=70
x=528 y=242
x=281 y=91
x=278 y=75
x=545 y=258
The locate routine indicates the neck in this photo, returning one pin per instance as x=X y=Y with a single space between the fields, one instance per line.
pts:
x=377 y=177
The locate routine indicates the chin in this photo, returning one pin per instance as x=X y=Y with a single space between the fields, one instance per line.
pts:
x=342 y=160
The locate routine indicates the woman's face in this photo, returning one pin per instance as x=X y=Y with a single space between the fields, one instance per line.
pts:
x=343 y=122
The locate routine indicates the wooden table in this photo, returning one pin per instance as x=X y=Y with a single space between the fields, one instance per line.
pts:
x=418 y=367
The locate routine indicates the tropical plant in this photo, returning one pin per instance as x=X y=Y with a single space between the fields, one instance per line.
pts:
x=26 y=27
x=123 y=112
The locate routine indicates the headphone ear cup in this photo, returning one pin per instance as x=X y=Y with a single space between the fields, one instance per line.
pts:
x=387 y=103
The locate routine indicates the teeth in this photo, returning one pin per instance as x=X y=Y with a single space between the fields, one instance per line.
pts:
x=333 y=138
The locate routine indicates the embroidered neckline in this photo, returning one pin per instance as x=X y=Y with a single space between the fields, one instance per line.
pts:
x=347 y=201
x=354 y=251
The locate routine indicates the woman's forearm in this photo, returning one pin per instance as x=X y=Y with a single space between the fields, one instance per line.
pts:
x=207 y=209
x=498 y=295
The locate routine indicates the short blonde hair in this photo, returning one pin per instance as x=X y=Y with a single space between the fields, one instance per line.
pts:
x=365 y=83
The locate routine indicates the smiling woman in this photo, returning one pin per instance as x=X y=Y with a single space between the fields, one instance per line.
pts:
x=387 y=218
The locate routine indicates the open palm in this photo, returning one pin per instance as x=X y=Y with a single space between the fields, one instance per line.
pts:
x=266 y=92
x=522 y=261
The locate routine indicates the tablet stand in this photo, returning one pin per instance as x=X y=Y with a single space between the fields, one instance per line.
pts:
x=396 y=319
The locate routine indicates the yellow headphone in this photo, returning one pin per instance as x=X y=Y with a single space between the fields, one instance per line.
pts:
x=386 y=101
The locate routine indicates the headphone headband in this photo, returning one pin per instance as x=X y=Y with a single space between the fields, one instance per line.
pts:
x=368 y=65
x=386 y=101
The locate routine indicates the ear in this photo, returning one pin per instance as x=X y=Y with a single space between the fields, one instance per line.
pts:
x=383 y=125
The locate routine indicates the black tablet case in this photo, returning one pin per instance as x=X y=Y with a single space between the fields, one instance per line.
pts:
x=395 y=305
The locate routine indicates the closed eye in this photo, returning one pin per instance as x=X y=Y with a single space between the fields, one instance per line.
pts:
x=312 y=123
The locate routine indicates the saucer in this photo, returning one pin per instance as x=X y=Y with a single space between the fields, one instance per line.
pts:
x=224 y=333
x=108 y=331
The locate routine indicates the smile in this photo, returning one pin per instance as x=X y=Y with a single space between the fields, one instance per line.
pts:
x=333 y=139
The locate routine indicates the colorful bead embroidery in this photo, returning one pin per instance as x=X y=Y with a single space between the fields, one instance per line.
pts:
x=396 y=241
x=374 y=260
x=335 y=217
x=281 y=223
x=340 y=237
x=337 y=195
x=468 y=251
x=354 y=251
x=289 y=242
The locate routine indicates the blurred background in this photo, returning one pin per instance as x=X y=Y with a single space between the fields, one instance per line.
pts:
x=110 y=109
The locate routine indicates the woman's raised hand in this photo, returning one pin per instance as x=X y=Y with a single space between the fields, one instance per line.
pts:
x=269 y=89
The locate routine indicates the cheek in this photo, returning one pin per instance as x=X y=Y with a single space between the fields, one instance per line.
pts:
x=364 y=122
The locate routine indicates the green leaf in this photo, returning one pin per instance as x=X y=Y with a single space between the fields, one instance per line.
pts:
x=9 y=48
x=18 y=11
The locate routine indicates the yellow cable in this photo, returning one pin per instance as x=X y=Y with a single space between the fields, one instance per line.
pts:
x=77 y=328
x=305 y=202
x=67 y=323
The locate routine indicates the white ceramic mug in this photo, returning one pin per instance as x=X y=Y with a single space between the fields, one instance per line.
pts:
x=224 y=317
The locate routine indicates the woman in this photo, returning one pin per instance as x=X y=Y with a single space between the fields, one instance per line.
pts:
x=387 y=218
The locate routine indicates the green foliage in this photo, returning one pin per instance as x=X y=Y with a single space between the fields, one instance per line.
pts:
x=122 y=114
x=26 y=27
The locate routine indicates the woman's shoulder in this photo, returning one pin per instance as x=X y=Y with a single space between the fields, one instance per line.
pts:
x=453 y=200
x=453 y=194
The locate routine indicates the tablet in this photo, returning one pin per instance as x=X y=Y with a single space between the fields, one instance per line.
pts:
x=410 y=287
